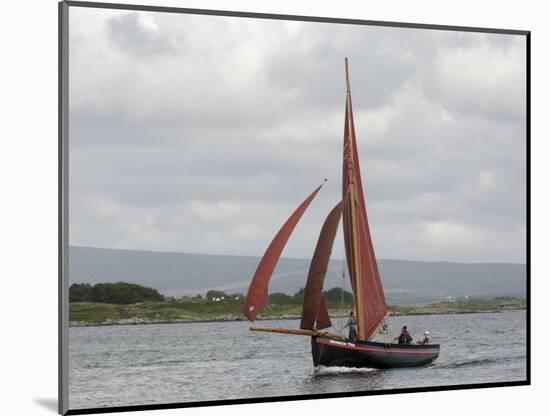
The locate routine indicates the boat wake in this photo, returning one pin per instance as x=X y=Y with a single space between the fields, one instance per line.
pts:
x=322 y=370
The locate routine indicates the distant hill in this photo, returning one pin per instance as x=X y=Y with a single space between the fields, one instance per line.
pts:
x=177 y=274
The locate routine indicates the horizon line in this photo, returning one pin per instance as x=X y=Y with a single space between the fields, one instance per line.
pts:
x=292 y=258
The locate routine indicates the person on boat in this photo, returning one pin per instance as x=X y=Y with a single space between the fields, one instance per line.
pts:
x=427 y=338
x=404 y=337
x=383 y=330
x=352 y=324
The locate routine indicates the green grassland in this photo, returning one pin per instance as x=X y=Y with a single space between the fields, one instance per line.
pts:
x=473 y=306
x=195 y=309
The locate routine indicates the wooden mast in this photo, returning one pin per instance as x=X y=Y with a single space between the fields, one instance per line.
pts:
x=356 y=272
x=352 y=195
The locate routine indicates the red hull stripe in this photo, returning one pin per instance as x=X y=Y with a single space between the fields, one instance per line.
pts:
x=379 y=350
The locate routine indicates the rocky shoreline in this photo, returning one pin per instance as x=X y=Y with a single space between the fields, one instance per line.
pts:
x=231 y=318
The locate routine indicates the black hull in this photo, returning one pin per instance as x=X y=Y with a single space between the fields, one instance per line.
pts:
x=331 y=353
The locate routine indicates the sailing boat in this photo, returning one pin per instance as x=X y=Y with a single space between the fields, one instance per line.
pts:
x=330 y=349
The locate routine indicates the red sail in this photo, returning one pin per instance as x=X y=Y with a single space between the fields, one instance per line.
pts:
x=362 y=266
x=257 y=296
x=314 y=312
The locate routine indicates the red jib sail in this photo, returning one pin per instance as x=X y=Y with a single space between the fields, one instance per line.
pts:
x=363 y=270
x=314 y=312
x=257 y=296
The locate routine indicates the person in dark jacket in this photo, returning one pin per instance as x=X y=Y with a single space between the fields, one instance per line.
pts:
x=352 y=323
x=404 y=337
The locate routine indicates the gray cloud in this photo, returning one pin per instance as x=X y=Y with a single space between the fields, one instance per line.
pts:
x=202 y=134
x=137 y=33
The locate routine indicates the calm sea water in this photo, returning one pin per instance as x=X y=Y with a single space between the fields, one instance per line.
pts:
x=149 y=364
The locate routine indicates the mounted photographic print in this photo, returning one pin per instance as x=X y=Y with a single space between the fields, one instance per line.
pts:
x=263 y=207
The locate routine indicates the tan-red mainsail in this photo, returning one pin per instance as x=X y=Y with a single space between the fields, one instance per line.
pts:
x=257 y=296
x=314 y=312
x=370 y=303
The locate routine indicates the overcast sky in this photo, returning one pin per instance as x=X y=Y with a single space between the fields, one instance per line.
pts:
x=202 y=134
